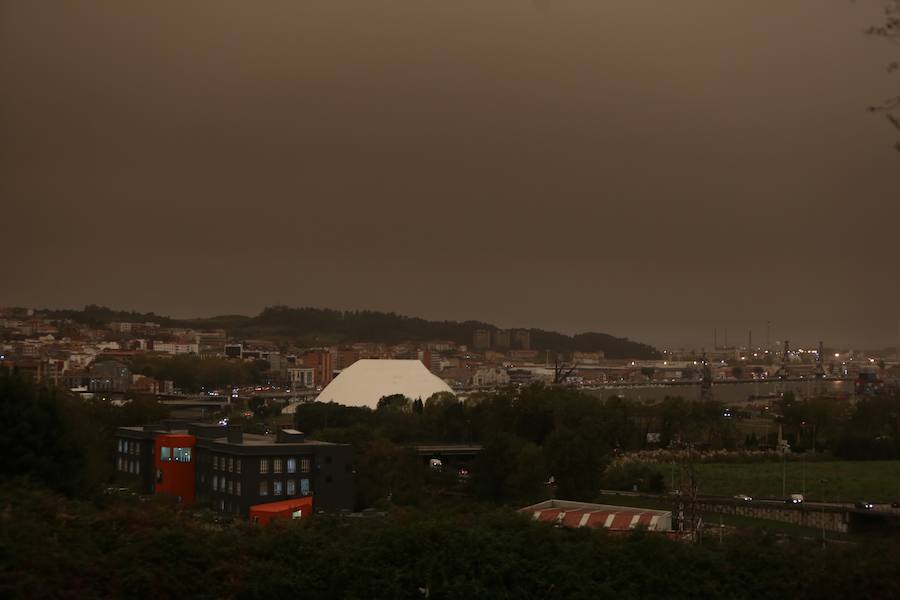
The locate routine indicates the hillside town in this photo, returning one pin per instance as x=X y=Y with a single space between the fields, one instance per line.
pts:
x=99 y=358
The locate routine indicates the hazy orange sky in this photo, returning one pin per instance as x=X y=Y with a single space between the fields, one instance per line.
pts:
x=648 y=169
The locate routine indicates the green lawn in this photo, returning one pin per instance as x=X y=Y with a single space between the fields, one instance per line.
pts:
x=876 y=481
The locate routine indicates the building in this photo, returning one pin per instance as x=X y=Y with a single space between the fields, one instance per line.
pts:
x=567 y=513
x=109 y=376
x=233 y=471
x=345 y=357
x=301 y=377
x=183 y=346
x=368 y=380
x=521 y=339
x=481 y=339
x=490 y=377
x=321 y=363
x=296 y=508
x=210 y=343
x=500 y=339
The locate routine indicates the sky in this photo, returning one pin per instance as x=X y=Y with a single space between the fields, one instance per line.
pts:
x=651 y=169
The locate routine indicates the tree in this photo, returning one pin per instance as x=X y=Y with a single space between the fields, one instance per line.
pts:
x=890 y=31
x=576 y=459
x=44 y=438
x=508 y=468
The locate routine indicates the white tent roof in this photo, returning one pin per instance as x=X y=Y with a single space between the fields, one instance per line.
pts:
x=368 y=380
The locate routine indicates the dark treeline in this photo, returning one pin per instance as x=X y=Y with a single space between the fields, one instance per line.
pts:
x=192 y=373
x=528 y=436
x=54 y=548
x=314 y=326
x=61 y=441
x=869 y=429
x=533 y=433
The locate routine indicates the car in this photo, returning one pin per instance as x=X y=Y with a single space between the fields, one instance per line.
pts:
x=744 y=497
x=794 y=499
x=863 y=505
x=895 y=504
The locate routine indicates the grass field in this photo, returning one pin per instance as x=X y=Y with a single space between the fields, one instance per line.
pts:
x=876 y=481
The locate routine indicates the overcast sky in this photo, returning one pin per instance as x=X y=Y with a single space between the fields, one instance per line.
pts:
x=648 y=169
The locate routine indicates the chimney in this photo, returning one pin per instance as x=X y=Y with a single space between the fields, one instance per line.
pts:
x=235 y=434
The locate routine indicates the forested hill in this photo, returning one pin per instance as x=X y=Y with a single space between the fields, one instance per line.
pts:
x=325 y=326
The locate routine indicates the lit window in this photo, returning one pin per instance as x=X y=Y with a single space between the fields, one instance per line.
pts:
x=304 y=464
x=137 y=468
x=215 y=483
x=137 y=448
x=277 y=488
x=292 y=465
x=237 y=465
x=181 y=454
x=291 y=487
x=165 y=454
x=121 y=445
x=263 y=488
x=215 y=462
x=230 y=465
x=304 y=487
x=276 y=465
x=264 y=465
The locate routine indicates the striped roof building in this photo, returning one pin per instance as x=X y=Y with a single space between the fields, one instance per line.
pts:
x=615 y=518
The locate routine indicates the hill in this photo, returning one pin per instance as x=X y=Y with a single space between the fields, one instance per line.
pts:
x=313 y=326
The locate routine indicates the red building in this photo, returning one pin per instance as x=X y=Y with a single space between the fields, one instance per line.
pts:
x=320 y=361
x=173 y=459
x=296 y=508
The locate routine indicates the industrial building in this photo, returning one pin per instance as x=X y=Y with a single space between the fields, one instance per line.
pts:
x=233 y=471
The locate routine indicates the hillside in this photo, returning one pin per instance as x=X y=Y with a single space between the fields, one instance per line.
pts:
x=325 y=326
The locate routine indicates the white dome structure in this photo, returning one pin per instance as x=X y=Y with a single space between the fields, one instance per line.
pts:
x=366 y=381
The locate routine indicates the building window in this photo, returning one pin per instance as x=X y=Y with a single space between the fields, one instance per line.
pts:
x=291 y=487
x=137 y=468
x=215 y=462
x=137 y=448
x=230 y=486
x=263 y=488
x=121 y=445
x=276 y=465
x=215 y=483
x=304 y=464
x=237 y=488
x=292 y=465
x=237 y=465
x=276 y=488
x=230 y=465
x=304 y=487
x=181 y=454
x=165 y=454
x=264 y=465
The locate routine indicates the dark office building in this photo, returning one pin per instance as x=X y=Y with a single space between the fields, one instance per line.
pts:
x=232 y=470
